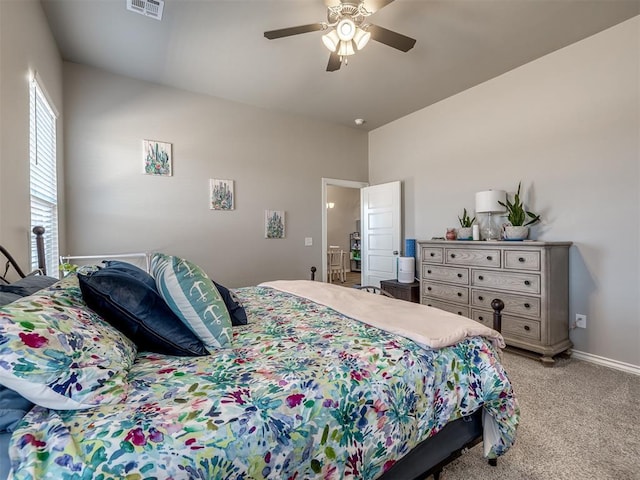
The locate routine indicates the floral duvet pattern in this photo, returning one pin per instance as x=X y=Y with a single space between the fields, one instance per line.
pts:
x=304 y=393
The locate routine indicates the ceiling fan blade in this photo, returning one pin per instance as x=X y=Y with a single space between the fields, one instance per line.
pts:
x=375 y=5
x=393 y=39
x=287 y=32
x=334 y=62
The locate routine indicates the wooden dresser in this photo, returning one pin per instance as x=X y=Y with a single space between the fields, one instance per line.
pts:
x=531 y=278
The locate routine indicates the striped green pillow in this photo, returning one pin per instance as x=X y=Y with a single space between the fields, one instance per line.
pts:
x=194 y=298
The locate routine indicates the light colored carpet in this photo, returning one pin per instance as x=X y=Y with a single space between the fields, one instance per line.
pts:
x=578 y=421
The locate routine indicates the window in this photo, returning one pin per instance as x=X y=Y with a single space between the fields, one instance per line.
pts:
x=43 y=181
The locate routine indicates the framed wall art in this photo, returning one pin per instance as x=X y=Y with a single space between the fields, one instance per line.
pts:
x=157 y=158
x=274 y=224
x=221 y=194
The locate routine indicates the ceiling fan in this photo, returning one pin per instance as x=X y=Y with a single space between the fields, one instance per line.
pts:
x=349 y=32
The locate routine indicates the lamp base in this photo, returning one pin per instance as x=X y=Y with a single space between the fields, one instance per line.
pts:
x=490 y=231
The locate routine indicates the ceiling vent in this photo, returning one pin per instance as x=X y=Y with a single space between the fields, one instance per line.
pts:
x=148 y=8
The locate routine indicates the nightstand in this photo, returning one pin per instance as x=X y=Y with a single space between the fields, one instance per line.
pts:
x=403 y=291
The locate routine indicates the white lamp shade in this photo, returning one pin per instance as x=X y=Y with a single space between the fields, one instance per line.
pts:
x=361 y=38
x=346 y=48
x=331 y=40
x=487 y=201
x=346 y=29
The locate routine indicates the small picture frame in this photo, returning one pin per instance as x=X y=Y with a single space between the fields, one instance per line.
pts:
x=157 y=158
x=221 y=196
x=274 y=224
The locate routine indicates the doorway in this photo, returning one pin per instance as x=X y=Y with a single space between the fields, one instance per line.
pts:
x=340 y=218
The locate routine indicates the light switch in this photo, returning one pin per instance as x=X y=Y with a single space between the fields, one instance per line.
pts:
x=308 y=241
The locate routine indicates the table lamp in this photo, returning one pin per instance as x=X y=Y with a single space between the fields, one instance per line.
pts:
x=488 y=202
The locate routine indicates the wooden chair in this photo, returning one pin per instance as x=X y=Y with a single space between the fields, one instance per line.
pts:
x=335 y=262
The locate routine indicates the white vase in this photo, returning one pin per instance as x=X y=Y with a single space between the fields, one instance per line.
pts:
x=464 y=233
x=515 y=233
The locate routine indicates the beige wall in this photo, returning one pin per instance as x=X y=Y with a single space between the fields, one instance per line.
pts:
x=341 y=220
x=276 y=160
x=566 y=125
x=26 y=45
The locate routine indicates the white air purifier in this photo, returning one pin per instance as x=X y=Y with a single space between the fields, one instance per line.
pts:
x=406 y=269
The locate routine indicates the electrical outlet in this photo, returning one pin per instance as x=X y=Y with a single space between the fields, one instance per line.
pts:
x=581 y=320
x=308 y=241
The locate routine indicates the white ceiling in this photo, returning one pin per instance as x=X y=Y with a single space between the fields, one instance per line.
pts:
x=217 y=47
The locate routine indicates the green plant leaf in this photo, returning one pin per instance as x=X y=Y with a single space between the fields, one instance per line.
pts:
x=516 y=213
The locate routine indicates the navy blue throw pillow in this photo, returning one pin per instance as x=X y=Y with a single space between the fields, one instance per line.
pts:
x=236 y=310
x=139 y=312
x=132 y=270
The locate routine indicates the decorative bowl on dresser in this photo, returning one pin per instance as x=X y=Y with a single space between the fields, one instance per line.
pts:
x=531 y=278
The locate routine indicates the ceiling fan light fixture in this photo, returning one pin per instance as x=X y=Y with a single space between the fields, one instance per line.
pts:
x=346 y=29
x=331 y=40
x=346 y=48
x=361 y=38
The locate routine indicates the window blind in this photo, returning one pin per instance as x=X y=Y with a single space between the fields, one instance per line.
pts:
x=43 y=177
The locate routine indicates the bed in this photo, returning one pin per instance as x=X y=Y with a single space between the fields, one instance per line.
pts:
x=322 y=381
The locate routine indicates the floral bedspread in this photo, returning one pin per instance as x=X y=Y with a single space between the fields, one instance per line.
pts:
x=304 y=393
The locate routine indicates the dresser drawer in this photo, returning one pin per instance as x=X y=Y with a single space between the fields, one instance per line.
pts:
x=449 y=307
x=520 y=327
x=432 y=254
x=484 y=318
x=515 y=282
x=451 y=293
x=522 y=260
x=445 y=274
x=474 y=257
x=514 y=304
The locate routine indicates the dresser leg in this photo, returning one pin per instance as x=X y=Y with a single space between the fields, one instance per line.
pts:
x=547 y=361
x=565 y=354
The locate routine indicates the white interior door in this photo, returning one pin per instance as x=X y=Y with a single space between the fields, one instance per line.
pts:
x=381 y=223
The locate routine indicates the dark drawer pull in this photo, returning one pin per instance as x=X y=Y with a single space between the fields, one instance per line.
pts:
x=480 y=318
x=489 y=257
x=459 y=294
x=429 y=288
x=527 y=282
x=481 y=298
x=429 y=272
x=527 y=328
x=480 y=277
x=459 y=313
x=453 y=255
x=521 y=259
x=432 y=254
x=459 y=275
x=526 y=305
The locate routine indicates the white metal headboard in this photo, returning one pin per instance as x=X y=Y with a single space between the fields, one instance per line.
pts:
x=143 y=257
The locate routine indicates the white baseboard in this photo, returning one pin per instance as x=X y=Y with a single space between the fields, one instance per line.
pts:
x=606 y=362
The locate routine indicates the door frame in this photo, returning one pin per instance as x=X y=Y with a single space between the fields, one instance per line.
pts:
x=336 y=183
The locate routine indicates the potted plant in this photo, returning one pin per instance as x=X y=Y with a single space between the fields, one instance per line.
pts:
x=466 y=223
x=518 y=217
x=67 y=268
